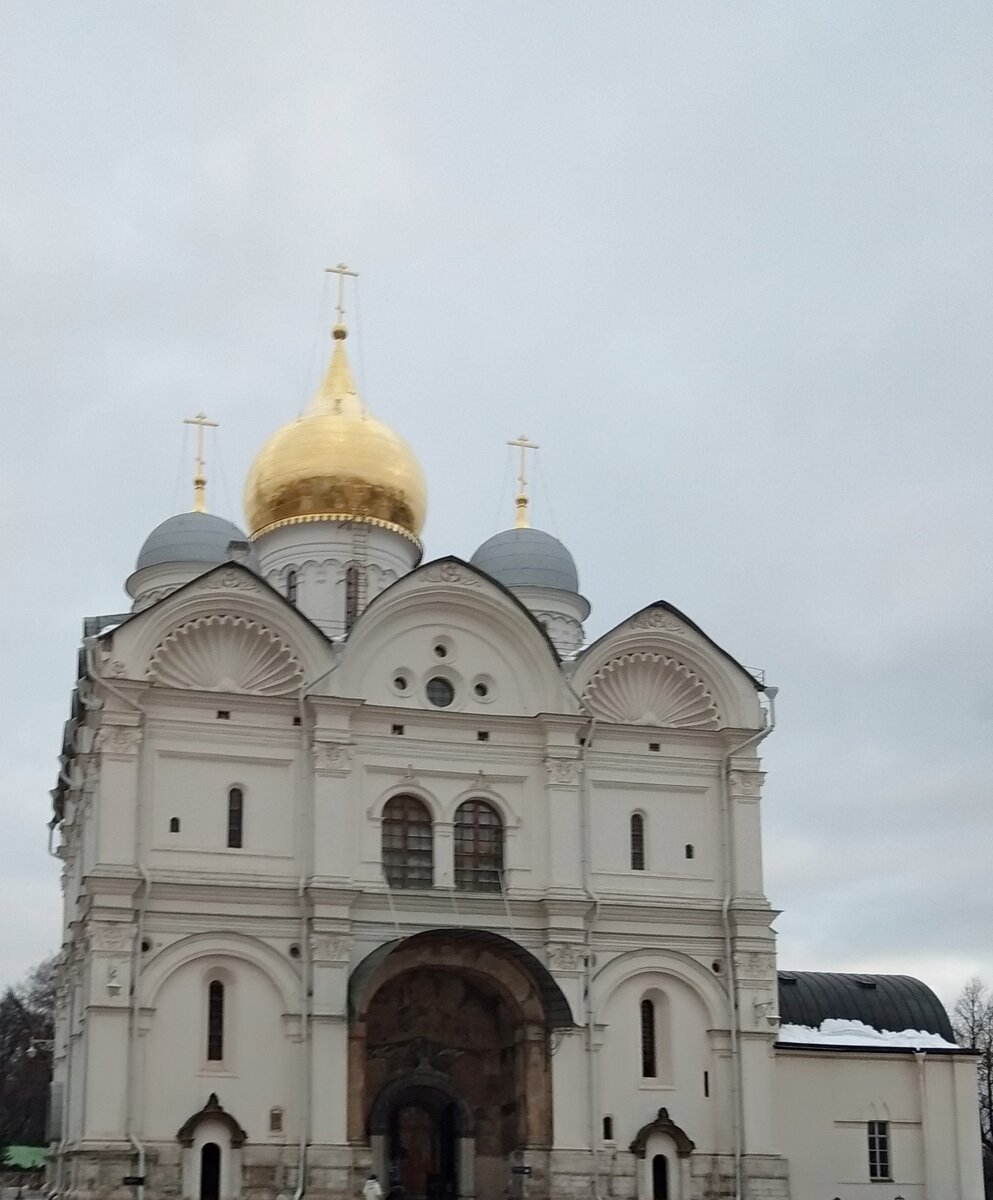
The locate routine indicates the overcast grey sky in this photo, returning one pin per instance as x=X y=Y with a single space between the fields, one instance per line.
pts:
x=731 y=265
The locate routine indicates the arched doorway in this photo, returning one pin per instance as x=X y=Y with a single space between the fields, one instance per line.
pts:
x=422 y=1134
x=449 y=1062
x=210 y=1171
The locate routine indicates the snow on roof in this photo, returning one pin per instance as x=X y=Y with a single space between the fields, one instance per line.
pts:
x=856 y=1033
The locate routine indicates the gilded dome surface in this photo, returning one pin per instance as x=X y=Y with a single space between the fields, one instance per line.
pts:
x=336 y=462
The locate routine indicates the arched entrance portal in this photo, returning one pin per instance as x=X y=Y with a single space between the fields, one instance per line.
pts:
x=424 y=1136
x=449 y=1061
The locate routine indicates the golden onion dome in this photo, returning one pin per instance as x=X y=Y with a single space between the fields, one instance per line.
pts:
x=336 y=463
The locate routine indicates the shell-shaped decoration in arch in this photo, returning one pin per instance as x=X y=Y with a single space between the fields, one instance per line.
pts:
x=226 y=654
x=651 y=689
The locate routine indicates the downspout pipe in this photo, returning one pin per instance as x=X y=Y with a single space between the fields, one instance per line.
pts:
x=737 y=1075
x=306 y=972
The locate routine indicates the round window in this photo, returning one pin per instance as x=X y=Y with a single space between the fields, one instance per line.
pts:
x=440 y=692
x=482 y=690
x=400 y=682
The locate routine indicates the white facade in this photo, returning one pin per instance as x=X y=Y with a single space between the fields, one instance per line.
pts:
x=227 y=790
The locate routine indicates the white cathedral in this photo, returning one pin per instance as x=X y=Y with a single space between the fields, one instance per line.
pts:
x=378 y=866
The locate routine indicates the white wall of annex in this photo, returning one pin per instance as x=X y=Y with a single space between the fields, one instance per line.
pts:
x=257 y=1071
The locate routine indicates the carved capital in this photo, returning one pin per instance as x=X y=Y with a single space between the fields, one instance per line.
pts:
x=118 y=741
x=331 y=948
x=746 y=784
x=111 y=938
x=566 y=958
x=562 y=772
x=333 y=758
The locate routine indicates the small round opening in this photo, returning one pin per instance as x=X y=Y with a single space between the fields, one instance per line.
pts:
x=440 y=650
x=481 y=690
x=400 y=683
x=146 y=945
x=440 y=692
x=294 y=951
x=716 y=967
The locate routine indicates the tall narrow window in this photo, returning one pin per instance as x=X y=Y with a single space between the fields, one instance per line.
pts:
x=408 y=852
x=215 y=1021
x=292 y=582
x=879 y=1150
x=478 y=847
x=649 y=1059
x=236 y=817
x=353 y=583
x=637 y=842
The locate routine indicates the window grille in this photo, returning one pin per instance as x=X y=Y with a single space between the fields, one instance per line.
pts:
x=215 y=1021
x=879 y=1150
x=649 y=1059
x=637 y=842
x=236 y=810
x=478 y=847
x=408 y=852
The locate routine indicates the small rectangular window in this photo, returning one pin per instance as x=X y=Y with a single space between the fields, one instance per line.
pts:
x=608 y=1129
x=879 y=1150
x=275 y=1120
x=397 y=731
x=649 y=1061
x=174 y=824
x=656 y=746
x=688 y=850
x=296 y=720
x=482 y=736
x=706 y=1084
x=223 y=714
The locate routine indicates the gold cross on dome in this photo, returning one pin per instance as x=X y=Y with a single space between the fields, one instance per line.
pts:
x=521 y=501
x=199 y=479
x=341 y=271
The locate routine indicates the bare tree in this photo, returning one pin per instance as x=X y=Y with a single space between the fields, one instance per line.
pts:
x=26 y=1026
x=972 y=1020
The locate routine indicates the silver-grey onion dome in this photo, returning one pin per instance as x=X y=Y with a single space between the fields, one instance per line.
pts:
x=527 y=558
x=191 y=537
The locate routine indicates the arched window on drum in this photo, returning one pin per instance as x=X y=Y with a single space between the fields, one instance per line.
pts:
x=478 y=847
x=408 y=851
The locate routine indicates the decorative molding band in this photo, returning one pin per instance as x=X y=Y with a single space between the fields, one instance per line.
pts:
x=344 y=518
x=651 y=689
x=226 y=654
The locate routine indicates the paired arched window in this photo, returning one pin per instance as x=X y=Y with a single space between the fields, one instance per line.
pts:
x=478 y=847
x=637 y=842
x=236 y=817
x=408 y=851
x=215 y=1021
x=649 y=1045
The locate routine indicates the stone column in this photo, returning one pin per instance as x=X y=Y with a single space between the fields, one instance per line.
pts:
x=330 y=956
x=333 y=823
x=745 y=793
x=564 y=826
x=444 y=854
